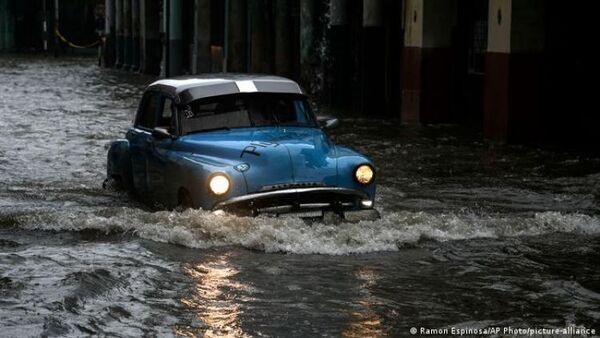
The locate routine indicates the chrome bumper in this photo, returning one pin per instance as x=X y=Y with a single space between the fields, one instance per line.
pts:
x=305 y=202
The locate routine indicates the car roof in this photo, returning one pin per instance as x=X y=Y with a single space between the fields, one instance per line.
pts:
x=185 y=89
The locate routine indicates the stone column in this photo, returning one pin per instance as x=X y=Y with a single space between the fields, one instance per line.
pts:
x=126 y=23
x=284 y=38
x=373 y=59
x=260 y=48
x=150 y=45
x=236 y=44
x=341 y=56
x=109 y=34
x=120 y=46
x=175 y=38
x=135 y=35
x=7 y=27
x=202 y=37
x=427 y=78
x=309 y=33
x=513 y=70
x=203 y=24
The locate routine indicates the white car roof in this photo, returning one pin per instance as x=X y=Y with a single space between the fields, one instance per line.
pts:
x=191 y=88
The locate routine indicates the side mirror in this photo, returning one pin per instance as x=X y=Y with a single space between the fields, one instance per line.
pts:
x=327 y=122
x=161 y=133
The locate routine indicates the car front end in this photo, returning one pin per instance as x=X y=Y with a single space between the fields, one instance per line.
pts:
x=282 y=171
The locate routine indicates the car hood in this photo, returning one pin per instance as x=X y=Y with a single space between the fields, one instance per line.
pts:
x=271 y=158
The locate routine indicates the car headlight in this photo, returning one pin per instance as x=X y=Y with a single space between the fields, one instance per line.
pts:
x=219 y=184
x=364 y=174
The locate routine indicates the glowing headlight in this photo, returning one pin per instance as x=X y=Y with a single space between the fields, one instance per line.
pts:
x=364 y=174
x=219 y=184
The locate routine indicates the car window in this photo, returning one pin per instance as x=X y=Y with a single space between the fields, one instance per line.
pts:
x=166 y=108
x=165 y=119
x=149 y=111
x=246 y=110
x=222 y=112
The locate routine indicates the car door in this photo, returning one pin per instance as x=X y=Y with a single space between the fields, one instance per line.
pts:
x=139 y=137
x=157 y=154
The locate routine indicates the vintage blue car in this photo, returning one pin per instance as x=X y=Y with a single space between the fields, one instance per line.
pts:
x=240 y=143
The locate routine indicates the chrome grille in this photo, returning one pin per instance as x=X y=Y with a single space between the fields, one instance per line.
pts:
x=291 y=186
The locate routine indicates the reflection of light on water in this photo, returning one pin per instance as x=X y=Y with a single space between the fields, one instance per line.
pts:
x=364 y=321
x=213 y=301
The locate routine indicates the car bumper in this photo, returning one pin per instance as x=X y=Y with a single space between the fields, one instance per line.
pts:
x=351 y=204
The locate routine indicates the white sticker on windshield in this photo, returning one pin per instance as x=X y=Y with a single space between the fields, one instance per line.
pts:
x=188 y=113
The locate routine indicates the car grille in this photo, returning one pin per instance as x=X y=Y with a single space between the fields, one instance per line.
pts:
x=291 y=186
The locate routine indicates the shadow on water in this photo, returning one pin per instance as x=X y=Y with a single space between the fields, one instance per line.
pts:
x=472 y=235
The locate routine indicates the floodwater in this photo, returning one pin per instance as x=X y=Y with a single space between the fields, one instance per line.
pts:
x=472 y=235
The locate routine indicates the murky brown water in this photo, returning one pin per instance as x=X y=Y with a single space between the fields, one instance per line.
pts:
x=471 y=235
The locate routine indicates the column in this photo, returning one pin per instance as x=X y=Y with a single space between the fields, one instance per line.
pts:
x=127 y=43
x=150 y=46
x=309 y=56
x=175 y=38
x=285 y=38
x=427 y=78
x=135 y=35
x=236 y=36
x=109 y=34
x=373 y=59
x=202 y=33
x=513 y=70
x=120 y=43
x=260 y=51
x=7 y=27
x=341 y=55
x=57 y=44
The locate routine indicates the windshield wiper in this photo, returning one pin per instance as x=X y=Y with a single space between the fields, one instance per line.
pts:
x=206 y=130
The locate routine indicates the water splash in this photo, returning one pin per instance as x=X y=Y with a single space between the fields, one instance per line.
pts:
x=203 y=229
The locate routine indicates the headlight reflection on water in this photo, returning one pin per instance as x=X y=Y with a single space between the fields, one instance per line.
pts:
x=217 y=311
x=365 y=321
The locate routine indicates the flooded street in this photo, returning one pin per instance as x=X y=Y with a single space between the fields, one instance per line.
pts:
x=471 y=235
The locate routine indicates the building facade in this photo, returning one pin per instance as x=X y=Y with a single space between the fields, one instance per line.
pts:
x=517 y=69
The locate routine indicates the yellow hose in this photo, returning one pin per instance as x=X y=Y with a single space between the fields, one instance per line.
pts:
x=63 y=39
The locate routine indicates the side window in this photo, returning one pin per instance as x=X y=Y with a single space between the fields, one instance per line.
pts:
x=149 y=111
x=166 y=114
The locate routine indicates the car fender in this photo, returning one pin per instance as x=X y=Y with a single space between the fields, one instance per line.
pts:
x=348 y=161
x=119 y=162
x=192 y=172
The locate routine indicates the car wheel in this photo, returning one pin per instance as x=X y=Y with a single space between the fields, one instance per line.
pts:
x=184 y=200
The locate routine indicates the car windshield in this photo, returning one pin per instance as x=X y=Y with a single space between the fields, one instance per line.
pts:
x=246 y=110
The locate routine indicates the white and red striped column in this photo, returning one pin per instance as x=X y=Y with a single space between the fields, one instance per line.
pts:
x=427 y=76
x=513 y=70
